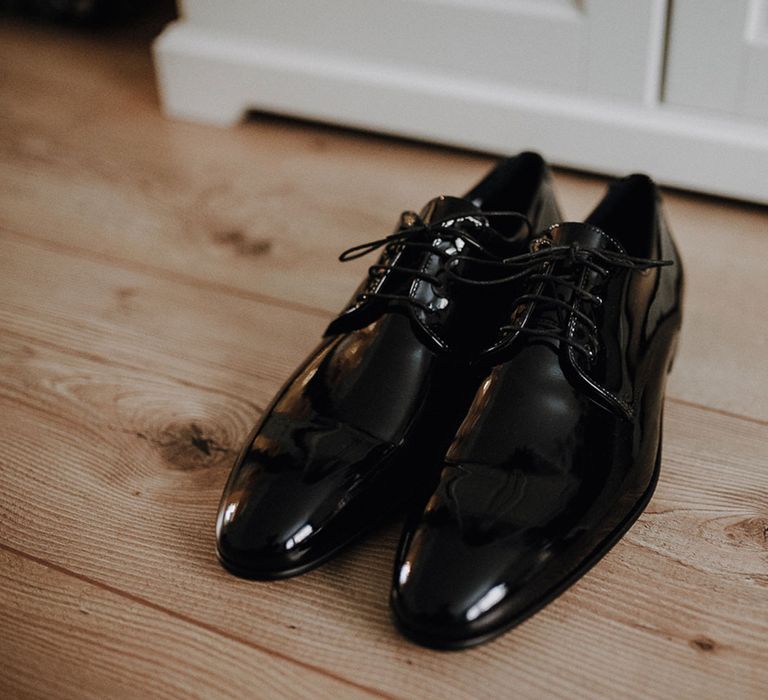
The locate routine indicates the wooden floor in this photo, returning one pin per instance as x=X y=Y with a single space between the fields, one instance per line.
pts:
x=158 y=282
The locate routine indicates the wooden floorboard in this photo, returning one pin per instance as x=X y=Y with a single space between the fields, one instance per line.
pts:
x=158 y=282
x=76 y=639
x=140 y=428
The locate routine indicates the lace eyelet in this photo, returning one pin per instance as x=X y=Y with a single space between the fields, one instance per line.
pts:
x=540 y=243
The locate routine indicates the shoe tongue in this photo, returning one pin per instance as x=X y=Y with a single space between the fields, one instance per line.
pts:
x=586 y=235
x=445 y=208
x=498 y=235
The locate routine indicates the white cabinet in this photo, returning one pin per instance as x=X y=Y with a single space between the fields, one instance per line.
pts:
x=677 y=88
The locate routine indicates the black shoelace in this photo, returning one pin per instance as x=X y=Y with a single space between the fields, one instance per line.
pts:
x=536 y=269
x=417 y=234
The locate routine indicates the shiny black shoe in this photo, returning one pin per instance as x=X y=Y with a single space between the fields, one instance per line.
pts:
x=371 y=411
x=560 y=450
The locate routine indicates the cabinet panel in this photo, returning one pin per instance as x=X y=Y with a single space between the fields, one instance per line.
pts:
x=718 y=56
x=625 y=47
x=755 y=95
x=571 y=46
x=463 y=38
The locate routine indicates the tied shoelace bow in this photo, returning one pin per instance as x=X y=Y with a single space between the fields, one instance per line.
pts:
x=537 y=268
x=416 y=234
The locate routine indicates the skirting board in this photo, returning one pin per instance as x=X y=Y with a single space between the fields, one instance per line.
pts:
x=213 y=78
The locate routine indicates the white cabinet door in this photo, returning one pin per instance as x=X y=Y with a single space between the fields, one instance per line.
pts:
x=600 y=47
x=718 y=56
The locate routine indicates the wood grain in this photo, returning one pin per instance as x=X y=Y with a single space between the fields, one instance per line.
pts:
x=264 y=209
x=66 y=638
x=158 y=281
x=140 y=457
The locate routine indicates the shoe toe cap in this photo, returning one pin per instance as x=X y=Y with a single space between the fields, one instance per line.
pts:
x=293 y=498
x=444 y=596
x=266 y=532
x=448 y=593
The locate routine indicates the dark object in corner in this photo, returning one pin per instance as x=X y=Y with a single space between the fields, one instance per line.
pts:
x=74 y=12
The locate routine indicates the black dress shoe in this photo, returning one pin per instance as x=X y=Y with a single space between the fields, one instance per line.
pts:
x=374 y=407
x=560 y=450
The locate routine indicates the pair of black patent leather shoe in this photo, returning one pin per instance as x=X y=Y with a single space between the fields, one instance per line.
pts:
x=501 y=374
